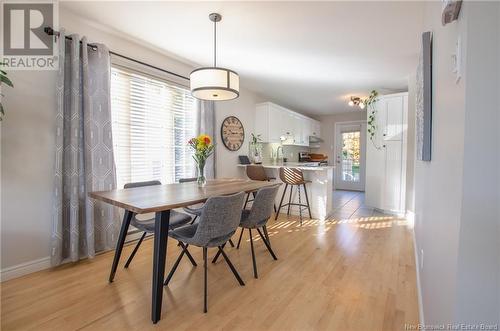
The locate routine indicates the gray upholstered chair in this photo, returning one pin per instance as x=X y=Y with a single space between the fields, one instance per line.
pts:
x=218 y=221
x=177 y=219
x=256 y=218
x=196 y=209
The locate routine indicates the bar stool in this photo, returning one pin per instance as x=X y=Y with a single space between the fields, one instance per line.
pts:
x=293 y=177
x=256 y=172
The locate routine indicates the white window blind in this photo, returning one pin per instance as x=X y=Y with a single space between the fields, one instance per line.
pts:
x=152 y=121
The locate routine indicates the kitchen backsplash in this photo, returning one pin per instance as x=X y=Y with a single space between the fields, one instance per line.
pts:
x=290 y=152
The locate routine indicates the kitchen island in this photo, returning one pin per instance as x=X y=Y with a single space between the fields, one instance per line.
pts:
x=320 y=190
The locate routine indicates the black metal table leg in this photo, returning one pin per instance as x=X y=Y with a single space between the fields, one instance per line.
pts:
x=119 y=245
x=162 y=222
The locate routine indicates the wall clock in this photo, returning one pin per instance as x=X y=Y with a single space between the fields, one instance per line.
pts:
x=233 y=133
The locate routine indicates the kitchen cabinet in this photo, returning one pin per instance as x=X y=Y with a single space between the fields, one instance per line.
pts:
x=315 y=128
x=274 y=122
x=386 y=155
x=302 y=131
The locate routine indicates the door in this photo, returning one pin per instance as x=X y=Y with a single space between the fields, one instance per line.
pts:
x=350 y=156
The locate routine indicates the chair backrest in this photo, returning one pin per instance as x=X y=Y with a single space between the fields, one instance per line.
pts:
x=140 y=184
x=219 y=220
x=256 y=172
x=187 y=180
x=263 y=205
x=291 y=176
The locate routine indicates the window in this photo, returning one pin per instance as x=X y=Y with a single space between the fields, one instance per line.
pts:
x=152 y=121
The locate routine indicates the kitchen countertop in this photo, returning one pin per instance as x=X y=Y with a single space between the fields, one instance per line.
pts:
x=294 y=165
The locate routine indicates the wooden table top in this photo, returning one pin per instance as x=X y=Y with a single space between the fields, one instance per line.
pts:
x=156 y=198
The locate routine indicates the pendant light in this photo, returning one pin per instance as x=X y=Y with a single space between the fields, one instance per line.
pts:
x=214 y=83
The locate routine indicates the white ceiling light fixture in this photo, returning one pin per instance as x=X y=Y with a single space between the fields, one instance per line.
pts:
x=215 y=83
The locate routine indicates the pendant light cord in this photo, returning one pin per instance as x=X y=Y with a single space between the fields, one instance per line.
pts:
x=215 y=43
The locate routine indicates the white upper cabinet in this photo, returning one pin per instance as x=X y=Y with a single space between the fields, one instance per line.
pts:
x=274 y=122
x=315 y=128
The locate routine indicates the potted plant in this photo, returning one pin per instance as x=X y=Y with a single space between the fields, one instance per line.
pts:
x=4 y=80
x=203 y=148
x=256 y=149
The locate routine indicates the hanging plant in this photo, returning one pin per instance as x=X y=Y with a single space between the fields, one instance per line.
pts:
x=4 y=80
x=372 y=115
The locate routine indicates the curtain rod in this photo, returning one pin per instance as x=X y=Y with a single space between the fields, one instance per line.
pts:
x=51 y=32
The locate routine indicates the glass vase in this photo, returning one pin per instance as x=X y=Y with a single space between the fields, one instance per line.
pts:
x=201 y=180
x=255 y=152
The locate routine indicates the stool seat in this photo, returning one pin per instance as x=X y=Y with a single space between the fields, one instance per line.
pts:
x=257 y=172
x=293 y=177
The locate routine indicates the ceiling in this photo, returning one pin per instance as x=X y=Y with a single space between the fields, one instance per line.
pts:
x=308 y=56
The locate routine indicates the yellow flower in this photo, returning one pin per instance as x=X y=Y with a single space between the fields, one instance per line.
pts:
x=204 y=141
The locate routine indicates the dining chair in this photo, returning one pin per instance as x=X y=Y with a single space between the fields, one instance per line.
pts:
x=293 y=177
x=196 y=209
x=218 y=221
x=257 y=218
x=177 y=219
x=193 y=210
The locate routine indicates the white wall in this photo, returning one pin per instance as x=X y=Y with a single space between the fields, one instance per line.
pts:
x=27 y=147
x=244 y=109
x=27 y=164
x=328 y=130
x=477 y=268
x=456 y=205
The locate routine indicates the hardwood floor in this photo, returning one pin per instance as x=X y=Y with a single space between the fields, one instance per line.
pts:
x=347 y=273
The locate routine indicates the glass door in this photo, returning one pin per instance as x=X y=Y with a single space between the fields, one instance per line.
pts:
x=350 y=156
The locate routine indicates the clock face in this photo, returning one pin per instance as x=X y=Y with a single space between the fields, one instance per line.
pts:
x=233 y=133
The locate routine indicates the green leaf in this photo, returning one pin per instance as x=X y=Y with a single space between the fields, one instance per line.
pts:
x=6 y=80
x=1 y=112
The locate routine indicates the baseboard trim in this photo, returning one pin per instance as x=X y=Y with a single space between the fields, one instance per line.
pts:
x=391 y=212
x=24 y=268
x=421 y=316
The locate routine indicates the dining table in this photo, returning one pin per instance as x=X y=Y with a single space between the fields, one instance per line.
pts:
x=161 y=199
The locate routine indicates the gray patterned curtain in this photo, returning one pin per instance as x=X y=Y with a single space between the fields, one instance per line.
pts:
x=84 y=153
x=206 y=124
